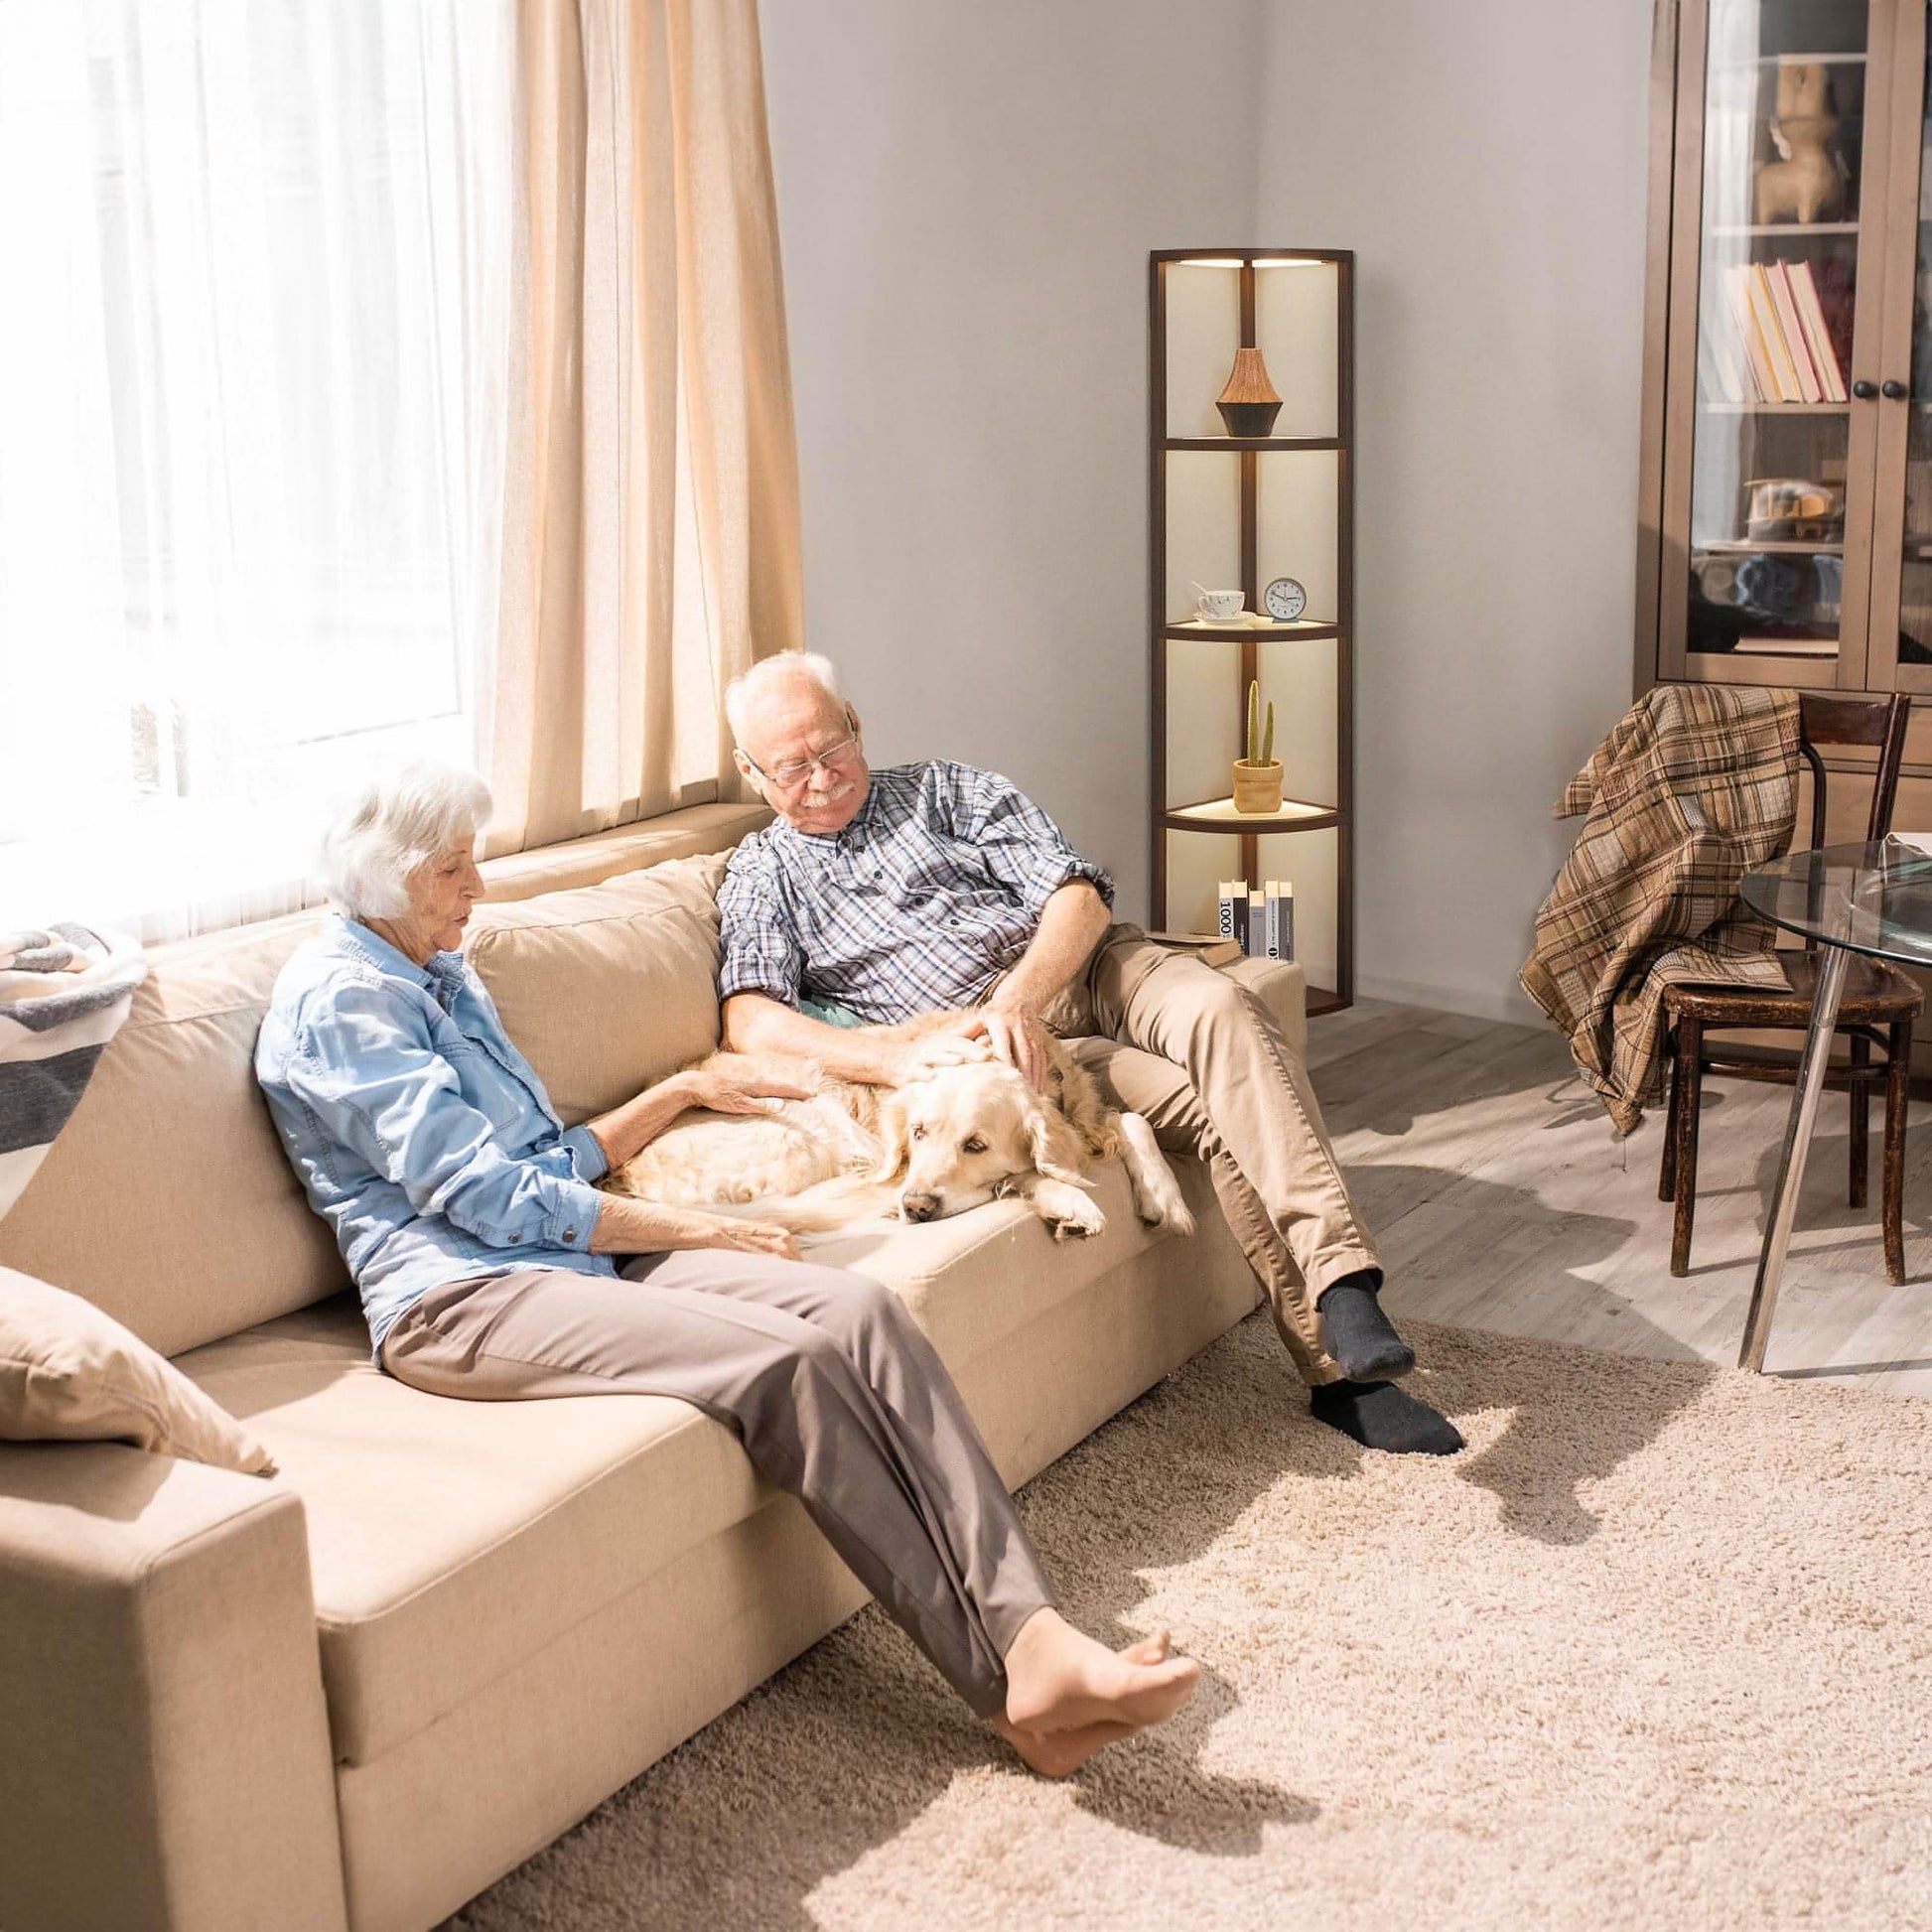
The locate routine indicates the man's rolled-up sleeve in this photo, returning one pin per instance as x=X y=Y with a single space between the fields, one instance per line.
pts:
x=758 y=947
x=1021 y=846
x=365 y=1070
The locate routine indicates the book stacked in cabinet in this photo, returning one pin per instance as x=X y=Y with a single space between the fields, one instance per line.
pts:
x=1785 y=516
x=1234 y=512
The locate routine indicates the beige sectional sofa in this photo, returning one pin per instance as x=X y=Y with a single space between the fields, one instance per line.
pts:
x=356 y=1693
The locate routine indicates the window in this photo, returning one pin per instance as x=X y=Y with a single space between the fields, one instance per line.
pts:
x=250 y=424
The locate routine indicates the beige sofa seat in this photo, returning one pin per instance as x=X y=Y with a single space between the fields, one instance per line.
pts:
x=451 y=1540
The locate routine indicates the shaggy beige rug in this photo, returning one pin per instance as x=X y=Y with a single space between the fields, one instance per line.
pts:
x=1656 y=1650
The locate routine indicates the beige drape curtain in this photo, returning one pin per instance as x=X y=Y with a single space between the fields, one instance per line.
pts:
x=650 y=514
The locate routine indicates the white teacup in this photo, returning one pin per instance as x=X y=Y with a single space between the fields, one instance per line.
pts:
x=1218 y=606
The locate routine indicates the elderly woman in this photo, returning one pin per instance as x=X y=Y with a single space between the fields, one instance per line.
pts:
x=491 y=1267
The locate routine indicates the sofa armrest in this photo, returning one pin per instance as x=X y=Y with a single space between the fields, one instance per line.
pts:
x=1281 y=987
x=166 y=1763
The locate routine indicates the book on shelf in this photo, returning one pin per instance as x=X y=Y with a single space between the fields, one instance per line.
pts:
x=1779 y=333
x=1778 y=278
x=1818 y=338
x=1279 y=918
x=1232 y=919
x=1757 y=359
x=1764 y=312
x=1789 y=646
x=1260 y=924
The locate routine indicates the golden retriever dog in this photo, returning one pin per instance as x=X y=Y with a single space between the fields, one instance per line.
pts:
x=961 y=1136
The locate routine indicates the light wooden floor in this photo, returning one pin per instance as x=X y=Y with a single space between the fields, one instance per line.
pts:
x=1500 y=1198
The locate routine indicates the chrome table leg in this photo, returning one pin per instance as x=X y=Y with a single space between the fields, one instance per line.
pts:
x=1791 y=1162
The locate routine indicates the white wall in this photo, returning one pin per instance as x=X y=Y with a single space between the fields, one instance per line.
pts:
x=1486 y=162
x=967 y=194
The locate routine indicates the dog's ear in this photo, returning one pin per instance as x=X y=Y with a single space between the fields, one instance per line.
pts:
x=1054 y=1146
x=895 y=1137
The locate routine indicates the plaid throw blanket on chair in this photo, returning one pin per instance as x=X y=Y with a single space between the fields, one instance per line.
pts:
x=64 y=994
x=1695 y=786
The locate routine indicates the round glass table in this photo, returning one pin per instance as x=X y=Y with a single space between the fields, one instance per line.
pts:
x=1866 y=899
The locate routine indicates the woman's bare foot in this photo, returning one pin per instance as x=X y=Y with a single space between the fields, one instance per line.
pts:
x=1059 y=1681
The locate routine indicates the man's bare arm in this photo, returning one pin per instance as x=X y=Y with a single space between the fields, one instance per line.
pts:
x=1070 y=924
x=754 y=1022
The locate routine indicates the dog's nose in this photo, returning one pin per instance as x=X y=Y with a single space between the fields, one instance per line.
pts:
x=919 y=1207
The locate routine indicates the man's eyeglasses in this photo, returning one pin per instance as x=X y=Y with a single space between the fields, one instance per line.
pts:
x=794 y=771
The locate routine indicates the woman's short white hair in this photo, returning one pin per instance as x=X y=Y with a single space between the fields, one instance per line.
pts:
x=393 y=826
x=769 y=674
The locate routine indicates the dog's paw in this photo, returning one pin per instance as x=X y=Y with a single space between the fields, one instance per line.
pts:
x=1077 y=1222
x=1173 y=1217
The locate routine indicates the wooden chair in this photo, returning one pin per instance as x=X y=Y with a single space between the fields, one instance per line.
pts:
x=1877 y=1010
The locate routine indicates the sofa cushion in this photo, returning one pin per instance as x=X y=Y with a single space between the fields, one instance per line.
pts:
x=71 y=1373
x=449 y=1538
x=166 y=1199
x=607 y=988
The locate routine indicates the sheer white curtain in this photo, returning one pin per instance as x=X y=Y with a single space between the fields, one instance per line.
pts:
x=252 y=420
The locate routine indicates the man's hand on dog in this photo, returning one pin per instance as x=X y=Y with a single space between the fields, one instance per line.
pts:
x=1019 y=1038
x=961 y=1041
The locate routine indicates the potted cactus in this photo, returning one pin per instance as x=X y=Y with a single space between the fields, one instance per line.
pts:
x=1258 y=776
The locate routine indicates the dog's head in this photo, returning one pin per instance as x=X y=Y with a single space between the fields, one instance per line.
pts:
x=960 y=1136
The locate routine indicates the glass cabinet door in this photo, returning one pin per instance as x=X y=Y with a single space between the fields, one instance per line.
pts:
x=1771 y=510
x=1901 y=650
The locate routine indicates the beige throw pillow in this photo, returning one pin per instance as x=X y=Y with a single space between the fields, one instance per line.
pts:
x=71 y=1373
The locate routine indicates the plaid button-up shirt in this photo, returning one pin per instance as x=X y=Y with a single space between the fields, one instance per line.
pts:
x=934 y=890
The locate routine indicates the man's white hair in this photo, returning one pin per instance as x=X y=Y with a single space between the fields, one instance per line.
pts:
x=393 y=826
x=743 y=693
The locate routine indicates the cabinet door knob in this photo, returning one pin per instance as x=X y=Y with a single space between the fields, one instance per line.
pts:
x=1895 y=391
x=1863 y=390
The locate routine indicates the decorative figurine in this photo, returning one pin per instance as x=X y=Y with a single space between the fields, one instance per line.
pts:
x=1804 y=184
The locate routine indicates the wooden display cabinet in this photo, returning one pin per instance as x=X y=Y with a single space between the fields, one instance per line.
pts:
x=1235 y=512
x=1754 y=102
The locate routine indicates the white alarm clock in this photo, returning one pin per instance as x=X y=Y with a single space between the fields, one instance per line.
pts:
x=1283 y=599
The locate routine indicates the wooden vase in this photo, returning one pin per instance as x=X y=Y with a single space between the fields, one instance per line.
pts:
x=1257 y=786
x=1249 y=404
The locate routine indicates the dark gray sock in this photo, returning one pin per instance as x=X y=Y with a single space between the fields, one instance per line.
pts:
x=1378 y=1414
x=1359 y=1336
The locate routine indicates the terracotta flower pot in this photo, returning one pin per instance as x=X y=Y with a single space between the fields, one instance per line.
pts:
x=1257 y=787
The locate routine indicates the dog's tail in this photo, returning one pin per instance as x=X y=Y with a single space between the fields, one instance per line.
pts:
x=828 y=1206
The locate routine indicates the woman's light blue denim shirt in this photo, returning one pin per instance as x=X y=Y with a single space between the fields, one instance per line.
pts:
x=423 y=1137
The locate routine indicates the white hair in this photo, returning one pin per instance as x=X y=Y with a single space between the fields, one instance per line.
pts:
x=769 y=674
x=395 y=825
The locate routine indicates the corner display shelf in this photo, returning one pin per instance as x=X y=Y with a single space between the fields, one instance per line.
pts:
x=1234 y=512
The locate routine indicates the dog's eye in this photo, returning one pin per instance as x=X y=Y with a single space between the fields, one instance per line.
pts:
x=973 y=1145
x=919 y=1133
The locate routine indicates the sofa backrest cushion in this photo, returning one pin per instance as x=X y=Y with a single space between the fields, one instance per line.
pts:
x=166 y=1199
x=609 y=988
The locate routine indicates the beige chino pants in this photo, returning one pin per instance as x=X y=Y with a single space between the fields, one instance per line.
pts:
x=1215 y=1076
x=825 y=1378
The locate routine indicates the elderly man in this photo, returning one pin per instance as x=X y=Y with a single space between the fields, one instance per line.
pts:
x=881 y=895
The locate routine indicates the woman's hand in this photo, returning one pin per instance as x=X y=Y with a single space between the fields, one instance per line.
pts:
x=736 y=1090
x=692 y=1227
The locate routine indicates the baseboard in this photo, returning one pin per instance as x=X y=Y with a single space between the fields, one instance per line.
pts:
x=1513 y=1006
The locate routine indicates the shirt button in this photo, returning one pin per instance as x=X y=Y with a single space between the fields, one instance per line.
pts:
x=514 y=1238
x=570 y=1234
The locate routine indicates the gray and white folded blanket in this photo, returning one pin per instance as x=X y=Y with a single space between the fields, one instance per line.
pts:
x=63 y=993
